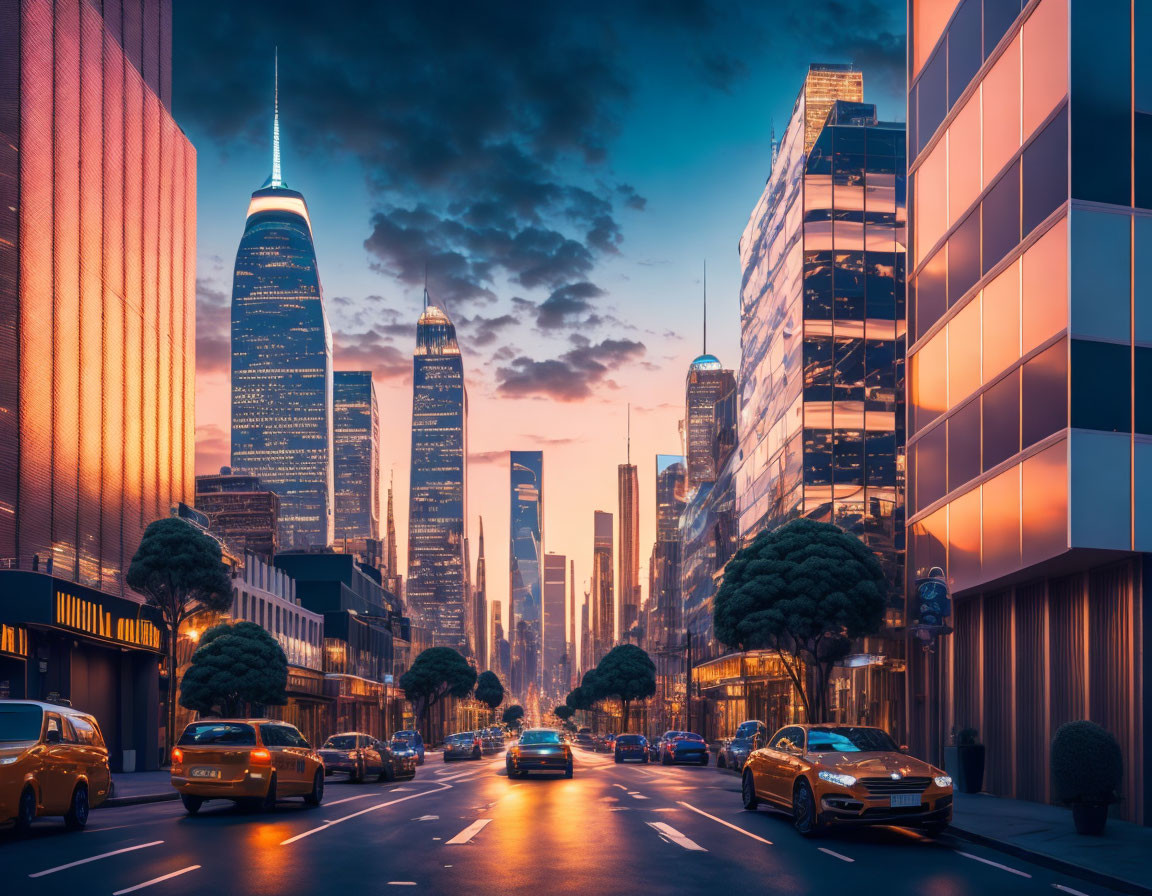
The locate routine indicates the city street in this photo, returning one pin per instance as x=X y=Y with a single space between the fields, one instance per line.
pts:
x=465 y=828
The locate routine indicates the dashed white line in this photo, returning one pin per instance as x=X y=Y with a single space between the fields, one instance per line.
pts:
x=675 y=836
x=469 y=832
x=621 y=786
x=969 y=855
x=336 y=821
x=637 y=796
x=401 y=883
x=835 y=854
x=1069 y=890
x=726 y=824
x=349 y=799
x=103 y=855
x=156 y=880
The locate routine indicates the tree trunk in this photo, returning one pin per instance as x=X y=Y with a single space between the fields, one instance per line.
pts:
x=625 y=704
x=170 y=725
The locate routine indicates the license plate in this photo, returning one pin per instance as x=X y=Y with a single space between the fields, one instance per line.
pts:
x=205 y=773
x=903 y=800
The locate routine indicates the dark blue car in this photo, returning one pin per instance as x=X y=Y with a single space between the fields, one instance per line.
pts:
x=413 y=741
x=683 y=746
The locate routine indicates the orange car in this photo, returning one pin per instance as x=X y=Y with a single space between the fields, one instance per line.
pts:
x=52 y=762
x=250 y=761
x=827 y=775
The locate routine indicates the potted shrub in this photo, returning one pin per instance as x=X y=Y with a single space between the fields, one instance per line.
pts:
x=969 y=762
x=1087 y=768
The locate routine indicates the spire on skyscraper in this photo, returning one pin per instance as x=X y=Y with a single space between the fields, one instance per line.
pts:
x=705 y=351
x=276 y=180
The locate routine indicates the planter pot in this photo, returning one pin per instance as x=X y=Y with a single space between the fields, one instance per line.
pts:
x=970 y=764
x=1090 y=818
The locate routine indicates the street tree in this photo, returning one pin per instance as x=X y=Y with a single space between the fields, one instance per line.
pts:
x=513 y=715
x=179 y=571
x=235 y=665
x=436 y=673
x=804 y=591
x=564 y=713
x=489 y=690
x=626 y=673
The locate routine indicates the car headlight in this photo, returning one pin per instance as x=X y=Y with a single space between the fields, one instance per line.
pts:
x=351 y=754
x=8 y=760
x=943 y=781
x=835 y=778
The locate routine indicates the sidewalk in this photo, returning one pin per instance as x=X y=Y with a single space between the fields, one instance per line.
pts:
x=1046 y=835
x=140 y=787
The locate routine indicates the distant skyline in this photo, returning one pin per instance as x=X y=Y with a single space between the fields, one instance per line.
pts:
x=600 y=176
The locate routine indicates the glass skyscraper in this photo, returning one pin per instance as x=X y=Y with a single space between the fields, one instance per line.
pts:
x=97 y=287
x=628 y=543
x=438 y=492
x=282 y=362
x=603 y=604
x=1030 y=377
x=707 y=382
x=526 y=565
x=555 y=671
x=356 y=443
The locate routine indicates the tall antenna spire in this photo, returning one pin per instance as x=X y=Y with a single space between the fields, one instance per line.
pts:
x=629 y=433
x=705 y=307
x=276 y=180
x=425 y=284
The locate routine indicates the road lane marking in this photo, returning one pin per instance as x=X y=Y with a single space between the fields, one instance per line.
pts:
x=621 y=786
x=336 y=821
x=726 y=824
x=469 y=832
x=637 y=796
x=156 y=880
x=401 y=883
x=675 y=836
x=349 y=799
x=103 y=855
x=834 y=854
x=1069 y=890
x=969 y=855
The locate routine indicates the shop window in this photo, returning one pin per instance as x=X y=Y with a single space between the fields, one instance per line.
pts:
x=1001 y=420
x=1101 y=389
x=1044 y=394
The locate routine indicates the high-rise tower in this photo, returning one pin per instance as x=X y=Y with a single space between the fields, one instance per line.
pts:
x=526 y=565
x=438 y=492
x=282 y=361
x=628 y=580
x=480 y=606
x=356 y=443
x=554 y=635
x=601 y=601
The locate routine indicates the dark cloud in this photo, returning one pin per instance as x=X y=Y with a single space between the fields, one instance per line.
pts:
x=213 y=329
x=487 y=457
x=485 y=330
x=566 y=305
x=571 y=377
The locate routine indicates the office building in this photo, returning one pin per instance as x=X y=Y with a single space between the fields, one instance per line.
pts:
x=554 y=654
x=241 y=512
x=826 y=84
x=707 y=382
x=602 y=592
x=1030 y=326
x=480 y=606
x=356 y=447
x=438 y=489
x=282 y=361
x=628 y=579
x=666 y=607
x=526 y=565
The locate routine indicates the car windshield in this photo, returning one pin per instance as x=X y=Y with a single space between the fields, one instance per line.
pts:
x=20 y=721
x=406 y=735
x=628 y=740
x=849 y=740
x=202 y=734
x=340 y=742
x=540 y=737
x=688 y=735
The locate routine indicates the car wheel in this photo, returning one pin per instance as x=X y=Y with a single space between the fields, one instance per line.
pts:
x=748 y=792
x=77 y=815
x=191 y=803
x=704 y=759
x=25 y=812
x=666 y=759
x=804 y=815
x=645 y=759
x=619 y=760
x=568 y=771
x=316 y=797
x=268 y=804
x=508 y=767
x=387 y=772
x=720 y=761
x=445 y=757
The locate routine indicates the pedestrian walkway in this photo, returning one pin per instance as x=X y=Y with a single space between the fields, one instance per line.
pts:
x=1046 y=834
x=141 y=787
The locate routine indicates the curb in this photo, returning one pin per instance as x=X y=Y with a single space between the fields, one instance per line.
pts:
x=1047 y=861
x=117 y=801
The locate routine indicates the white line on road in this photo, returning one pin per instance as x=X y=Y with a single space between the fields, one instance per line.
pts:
x=102 y=855
x=156 y=880
x=1069 y=890
x=469 y=832
x=401 y=883
x=336 y=821
x=726 y=824
x=969 y=855
x=621 y=786
x=675 y=836
x=834 y=854
x=637 y=796
x=349 y=799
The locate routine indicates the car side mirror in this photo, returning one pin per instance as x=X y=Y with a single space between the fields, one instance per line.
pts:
x=53 y=736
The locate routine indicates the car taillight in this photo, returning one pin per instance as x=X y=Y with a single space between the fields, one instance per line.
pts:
x=260 y=757
x=476 y=742
x=177 y=756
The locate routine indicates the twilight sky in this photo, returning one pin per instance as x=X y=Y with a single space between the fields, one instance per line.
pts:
x=563 y=170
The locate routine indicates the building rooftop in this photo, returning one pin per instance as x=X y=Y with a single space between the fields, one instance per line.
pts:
x=707 y=362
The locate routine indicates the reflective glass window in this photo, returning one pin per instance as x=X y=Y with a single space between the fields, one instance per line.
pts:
x=818 y=285
x=1001 y=523
x=964 y=56
x=1045 y=173
x=964 y=257
x=1001 y=312
x=964 y=445
x=1044 y=502
x=849 y=373
x=929 y=18
x=932 y=97
x=817 y=368
x=964 y=182
x=880 y=458
x=818 y=456
x=1143 y=378
x=1001 y=419
x=930 y=380
x=930 y=542
x=1099 y=278
x=1044 y=394
x=880 y=286
x=932 y=291
x=1001 y=133
x=998 y=18
x=1044 y=287
x=932 y=199
x=931 y=466
x=964 y=538
x=1101 y=389
x=1045 y=61
x=848 y=283
x=1001 y=218
x=964 y=352
x=1142 y=139
x=848 y=455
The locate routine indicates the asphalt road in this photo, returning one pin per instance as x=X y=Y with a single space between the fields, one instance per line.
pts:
x=464 y=828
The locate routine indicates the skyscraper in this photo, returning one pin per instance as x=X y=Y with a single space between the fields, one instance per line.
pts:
x=97 y=287
x=1029 y=311
x=391 y=564
x=241 y=512
x=706 y=383
x=480 y=606
x=628 y=581
x=826 y=84
x=555 y=595
x=602 y=602
x=664 y=596
x=573 y=644
x=526 y=564
x=282 y=361
x=356 y=443
x=438 y=492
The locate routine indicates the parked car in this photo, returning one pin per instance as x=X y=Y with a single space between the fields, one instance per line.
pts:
x=52 y=762
x=361 y=755
x=832 y=775
x=250 y=761
x=540 y=749
x=631 y=746
x=606 y=743
x=413 y=740
x=734 y=752
x=683 y=746
x=492 y=740
x=585 y=739
x=465 y=745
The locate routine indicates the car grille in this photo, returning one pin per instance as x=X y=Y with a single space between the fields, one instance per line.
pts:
x=886 y=786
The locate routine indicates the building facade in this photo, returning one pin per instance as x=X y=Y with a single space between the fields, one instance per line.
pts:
x=356 y=453
x=241 y=512
x=628 y=545
x=480 y=606
x=554 y=655
x=438 y=492
x=97 y=287
x=526 y=566
x=282 y=362
x=602 y=600
x=707 y=382
x=1030 y=444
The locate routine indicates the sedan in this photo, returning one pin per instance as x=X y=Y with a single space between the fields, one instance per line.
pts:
x=833 y=775
x=413 y=741
x=539 y=749
x=734 y=752
x=466 y=745
x=362 y=755
x=631 y=746
x=683 y=746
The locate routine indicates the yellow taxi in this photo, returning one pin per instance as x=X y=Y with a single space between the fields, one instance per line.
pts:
x=253 y=762
x=832 y=775
x=52 y=762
